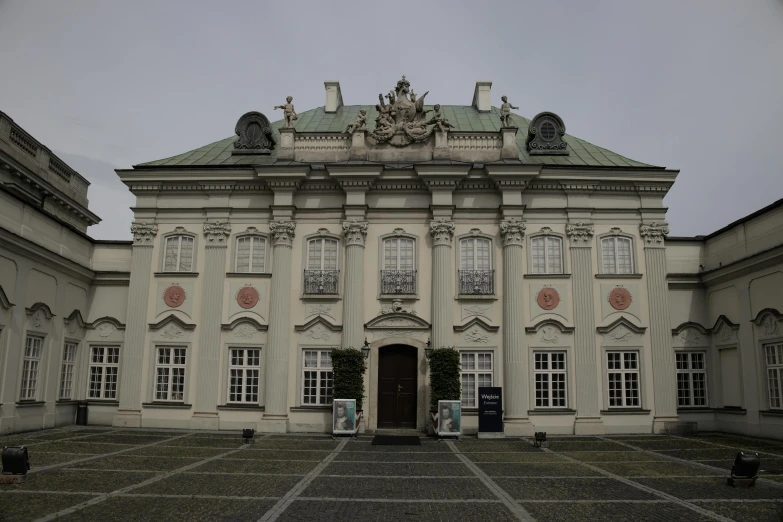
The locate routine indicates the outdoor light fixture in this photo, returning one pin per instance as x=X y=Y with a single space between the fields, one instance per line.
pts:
x=15 y=460
x=428 y=349
x=366 y=348
x=540 y=438
x=247 y=434
x=746 y=467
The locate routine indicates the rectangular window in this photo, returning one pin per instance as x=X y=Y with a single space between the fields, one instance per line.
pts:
x=244 y=374
x=66 y=375
x=616 y=257
x=178 y=254
x=170 y=374
x=477 y=372
x=691 y=379
x=104 y=371
x=398 y=254
x=251 y=252
x=546 y=253
x=774 y=358
x=475 y=254
x=322 y=254
x=33 y=349
x=550 y=375
x=623 y=376
x=317 y=377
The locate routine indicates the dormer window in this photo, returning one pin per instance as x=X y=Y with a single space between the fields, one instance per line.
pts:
x=545 y=135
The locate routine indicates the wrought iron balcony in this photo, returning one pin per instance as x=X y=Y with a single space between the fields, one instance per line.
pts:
x=476 y=282
x=398 y=282
x=321 y=281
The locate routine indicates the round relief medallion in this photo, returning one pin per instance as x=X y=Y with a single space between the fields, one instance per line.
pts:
x=174 y=296
x=620 y=298
x=548 y=298
x=247 y=297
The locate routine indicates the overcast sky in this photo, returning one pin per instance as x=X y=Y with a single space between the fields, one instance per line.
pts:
x=687 y=84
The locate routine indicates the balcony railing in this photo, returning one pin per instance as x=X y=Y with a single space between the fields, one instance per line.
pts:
x=476 y=282
x=398 y=282
x=321 y=281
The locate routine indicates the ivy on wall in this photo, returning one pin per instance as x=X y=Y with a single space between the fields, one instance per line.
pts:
x=444 y=376
x=348 y=367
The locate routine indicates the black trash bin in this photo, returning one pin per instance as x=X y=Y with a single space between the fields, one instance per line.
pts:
x=81 y=413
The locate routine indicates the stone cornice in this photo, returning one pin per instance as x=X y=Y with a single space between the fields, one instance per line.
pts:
x=580 y=233
x=39 y=254
x=442 y=232
x=512 y=230
x=217 y=234
x=355 y=232
x=654 y=234
x=171 y=318
x=144 y=233
x=40 y=306
x=282 y=232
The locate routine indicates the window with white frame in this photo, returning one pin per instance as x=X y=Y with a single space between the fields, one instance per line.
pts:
x=549 y=370
x=244 y=375
x=317 y=377
x=774 y=358
x=33 y=350
x=623 y=377
x=616 y=255
x=66 y=374
x=251 y=254
x=322 y=254
x=546 y=253
x=178 y=254
x=104 y=371
x=476 y=372
x=691 y=378
x=475 y=254
x=170 y=374
x=398 y=253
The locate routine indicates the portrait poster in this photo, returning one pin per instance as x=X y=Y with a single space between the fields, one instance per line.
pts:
x=343 y=416
x=449 y=418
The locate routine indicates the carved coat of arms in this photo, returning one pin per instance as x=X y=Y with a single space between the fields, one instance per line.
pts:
x=403 y=120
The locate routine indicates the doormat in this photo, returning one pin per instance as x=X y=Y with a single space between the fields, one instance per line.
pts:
x=395 y=440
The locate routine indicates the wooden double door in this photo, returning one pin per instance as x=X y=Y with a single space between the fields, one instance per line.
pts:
x=397 y=386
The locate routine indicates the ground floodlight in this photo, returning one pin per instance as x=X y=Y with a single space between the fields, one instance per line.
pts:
x=15 y=460
x=247 y=434
x=746 y=466
x=540 y=438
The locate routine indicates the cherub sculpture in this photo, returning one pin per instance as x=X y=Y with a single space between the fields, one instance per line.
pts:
x=439 y=121
x=505 y=113
x=359 y=123
x=288 y=112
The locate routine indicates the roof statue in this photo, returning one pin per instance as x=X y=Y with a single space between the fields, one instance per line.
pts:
x=288 y=112
x=360 y=123
x=403 y=120
x=505 y=113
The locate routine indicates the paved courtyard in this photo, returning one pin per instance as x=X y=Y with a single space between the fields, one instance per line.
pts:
x=111 y=474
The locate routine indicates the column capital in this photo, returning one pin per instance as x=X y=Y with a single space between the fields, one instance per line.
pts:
x=282 y=232
x=512 y=230
x=580 y=233
x=217 y=234
x=355 y=232
x=442 y=231
x=144 y=233
x=654 y=234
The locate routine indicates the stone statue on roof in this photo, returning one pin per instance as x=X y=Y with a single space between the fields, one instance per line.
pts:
x=403 y=120
x=505 y=113
x=359 y=123
x=288 y=112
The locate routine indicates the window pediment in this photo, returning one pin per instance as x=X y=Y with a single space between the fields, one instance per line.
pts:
x=397 y=320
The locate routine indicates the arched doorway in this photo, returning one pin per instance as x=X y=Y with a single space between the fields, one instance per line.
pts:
x=397 y=386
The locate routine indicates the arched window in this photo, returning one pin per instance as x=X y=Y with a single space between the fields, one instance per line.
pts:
x=251 y=254
x=546 y=254
x=322 y=275
x=178 y=254
x=616 y=255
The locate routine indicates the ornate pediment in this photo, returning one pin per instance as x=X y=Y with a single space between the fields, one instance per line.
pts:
x=690 y=334
x=105 y=327
x=622 y=332
x=397 y=321
x=244 y=320
x=550 y=323
x=476 y=322
x=172 y=320
x=724 y=331
x=769 y=320
x=318 y=330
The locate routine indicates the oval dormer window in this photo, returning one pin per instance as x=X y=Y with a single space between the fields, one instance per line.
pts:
x=548 y=130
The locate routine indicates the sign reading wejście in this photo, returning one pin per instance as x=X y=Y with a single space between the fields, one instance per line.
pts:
x=490 y=409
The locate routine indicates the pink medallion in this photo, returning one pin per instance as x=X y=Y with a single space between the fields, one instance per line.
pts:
x=548 y=298
x=247 y=297
x=620 y=298
x=174 y=296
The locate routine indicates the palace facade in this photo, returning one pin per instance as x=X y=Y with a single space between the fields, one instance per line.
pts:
x=397 y=226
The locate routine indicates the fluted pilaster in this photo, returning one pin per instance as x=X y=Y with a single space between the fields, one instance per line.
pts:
x=587 y=398
x=515 y=374
x=442 y=232
x=664 y=371
x=210 y=350
x=355 y=233
x=136 y=324
x=276 y=360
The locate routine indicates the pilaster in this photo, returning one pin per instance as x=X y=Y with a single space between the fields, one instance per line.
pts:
x=664 y=370
x=442 y=232
x=587 y=398
x=210 y=350
x=355 y=233
x=278 y=346
x=129 y=412
x=515 y=371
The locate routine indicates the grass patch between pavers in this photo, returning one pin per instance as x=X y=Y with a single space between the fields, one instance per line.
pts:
x=39 y=459
x=174 y=451
x=382 y=469
x=256 y=466
x=354 y=456
x=395 y=511
x=755 y=511
x=293 y=444
x=87 y=481
x=24 y=507
x=506 y=446
x=143 y=463
x=651 y=469
x=409 y=488
x=571 y=489
x=709 y=488
x=535 y=469
x=144 y=509
x=250 y=454
x=510 y=458
x=596 y=445
x=658 y=512
x=119 y=438
x=201 y=442
x=667 y=443
x=228 y=485
x=701 y=454
x=614 y=456
x=82 y=446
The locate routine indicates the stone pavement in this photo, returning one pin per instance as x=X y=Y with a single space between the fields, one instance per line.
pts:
x=146 y=474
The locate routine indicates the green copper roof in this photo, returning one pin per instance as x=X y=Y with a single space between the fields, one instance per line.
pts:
x=464 y=119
